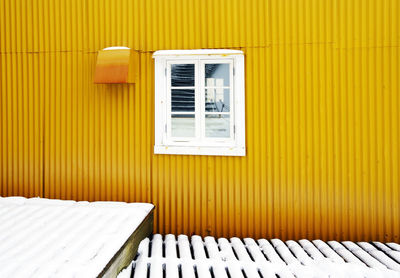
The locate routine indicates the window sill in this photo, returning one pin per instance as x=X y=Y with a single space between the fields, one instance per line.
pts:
x=186 y=150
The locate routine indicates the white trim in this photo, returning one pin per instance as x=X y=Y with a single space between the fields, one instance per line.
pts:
x=115 y=47
x=197 y=52
x=240 y=136
x=199 y=145
x=187 y=150
x=160 y=100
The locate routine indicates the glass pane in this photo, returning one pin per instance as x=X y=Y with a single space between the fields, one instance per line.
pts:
x=217 y=100
x=182 y=75
x=218 y=126
x=182 y=100
x=217 y=75
x=182 y=125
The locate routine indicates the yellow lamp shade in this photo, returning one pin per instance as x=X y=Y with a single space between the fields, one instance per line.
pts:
x=116 y=65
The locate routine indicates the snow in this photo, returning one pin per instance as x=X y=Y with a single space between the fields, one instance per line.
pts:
x=56 y=238
x=126 y=273
x=212 y=257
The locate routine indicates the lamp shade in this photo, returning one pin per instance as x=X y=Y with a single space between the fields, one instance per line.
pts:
x=116 y=65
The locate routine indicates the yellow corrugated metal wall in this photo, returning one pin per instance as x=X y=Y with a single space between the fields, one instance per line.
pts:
x=322 y=114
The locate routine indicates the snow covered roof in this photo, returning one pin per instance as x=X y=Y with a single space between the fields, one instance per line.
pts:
x=223 y=258
x=54 y=238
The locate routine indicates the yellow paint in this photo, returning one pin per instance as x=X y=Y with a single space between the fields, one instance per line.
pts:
x=322 y=114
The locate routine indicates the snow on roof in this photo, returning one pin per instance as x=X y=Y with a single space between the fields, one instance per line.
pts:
x=55 y=238
x=234 y=257
x=177 y=52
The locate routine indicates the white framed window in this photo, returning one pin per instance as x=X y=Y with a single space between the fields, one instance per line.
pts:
x=199 y=102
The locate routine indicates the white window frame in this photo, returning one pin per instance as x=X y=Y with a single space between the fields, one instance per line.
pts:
x=164 y=143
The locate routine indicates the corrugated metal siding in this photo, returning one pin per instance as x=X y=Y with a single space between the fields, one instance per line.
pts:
x=21 y=125
x=322 y=114
x=97 y=137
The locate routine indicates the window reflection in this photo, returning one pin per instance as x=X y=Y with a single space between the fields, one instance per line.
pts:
x=217 y=75
x=218 y=126
x=182 y=75
x=182 y=100
x=217 y=100
x=182 y=125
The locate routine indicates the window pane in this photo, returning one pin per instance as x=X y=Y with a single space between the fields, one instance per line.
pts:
x=217 y=75
x=218 y=126
x=182 y=75
x=182 y=125
x=182 y=100
x=217 y=100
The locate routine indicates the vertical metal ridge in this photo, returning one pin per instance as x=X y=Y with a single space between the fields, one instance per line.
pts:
x=322 y=114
